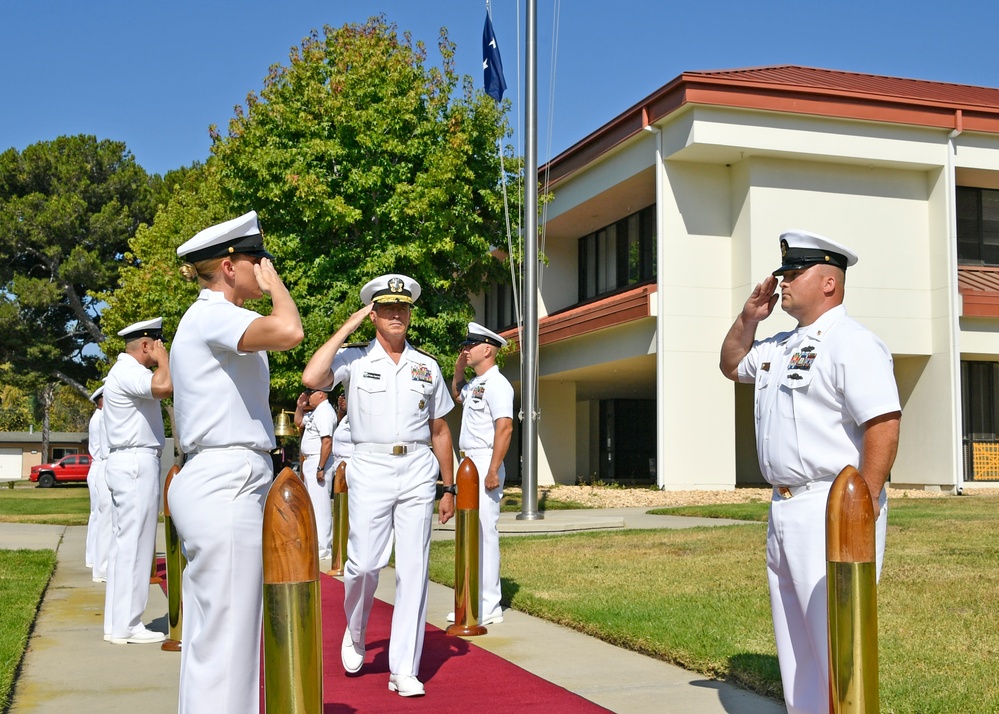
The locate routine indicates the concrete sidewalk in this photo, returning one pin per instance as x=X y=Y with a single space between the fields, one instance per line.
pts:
x=68 y=666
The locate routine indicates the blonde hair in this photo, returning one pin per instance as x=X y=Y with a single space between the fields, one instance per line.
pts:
x=204 y=271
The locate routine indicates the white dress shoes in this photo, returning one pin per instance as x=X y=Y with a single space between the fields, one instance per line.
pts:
x=406 y=684
x=352 y=655
x=494 y=619
x=142 y=637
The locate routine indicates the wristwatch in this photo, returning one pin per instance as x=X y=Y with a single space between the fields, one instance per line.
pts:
x=452 y=489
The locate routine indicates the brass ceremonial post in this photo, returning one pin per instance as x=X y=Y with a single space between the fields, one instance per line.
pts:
x=175 y=564
x=293 y=643
x=851 y=584
x=466 y=553
x=341 y=519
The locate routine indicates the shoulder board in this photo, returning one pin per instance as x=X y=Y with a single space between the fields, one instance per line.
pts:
x=424 y=352
x=355 y=344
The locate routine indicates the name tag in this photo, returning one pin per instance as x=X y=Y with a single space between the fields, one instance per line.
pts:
x=371 y=375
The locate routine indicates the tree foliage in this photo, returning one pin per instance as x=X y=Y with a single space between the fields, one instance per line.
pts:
x=361 y=159
x=67 y=210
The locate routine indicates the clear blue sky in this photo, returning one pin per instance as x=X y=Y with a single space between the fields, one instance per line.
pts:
x=156 y=76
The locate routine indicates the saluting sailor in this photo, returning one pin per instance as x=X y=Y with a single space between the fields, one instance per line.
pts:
x=224 y=425
x=134 y=426
x=396 y=403
x=99 y=525
x=314 y=415
x=486 y=429
x=825 y=398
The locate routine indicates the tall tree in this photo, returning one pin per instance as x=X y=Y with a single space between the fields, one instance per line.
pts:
x=67 y=210
x=364 y=159
x=361 y=159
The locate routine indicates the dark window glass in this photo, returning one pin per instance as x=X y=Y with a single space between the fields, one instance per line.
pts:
x=978 y=226
x=618 y=255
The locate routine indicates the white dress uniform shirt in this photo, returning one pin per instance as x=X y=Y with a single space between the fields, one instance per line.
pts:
x=486 y=398
x=815 y=389
x=128 y=394
x=800 y=379
x=99 y=525
x=210 y=407
x=343 y=446
x=316 y=424
x=389 y=403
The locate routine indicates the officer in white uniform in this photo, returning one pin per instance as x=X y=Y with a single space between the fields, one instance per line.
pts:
x=343 y=447
x=314 y=415
x=134 y=425
x=225 y=427
x=396 y=403
x=99 y=525
x=486 y=429
x=825 y=398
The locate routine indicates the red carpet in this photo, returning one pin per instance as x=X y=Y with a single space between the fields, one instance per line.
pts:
x=459 y=677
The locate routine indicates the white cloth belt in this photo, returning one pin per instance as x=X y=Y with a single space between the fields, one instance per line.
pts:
x=468 y=452
x=203 y=449
x=792 y=491
x=393 y=449
x=138 y=449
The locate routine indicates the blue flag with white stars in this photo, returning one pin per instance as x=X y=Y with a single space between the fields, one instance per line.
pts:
x=492 y=65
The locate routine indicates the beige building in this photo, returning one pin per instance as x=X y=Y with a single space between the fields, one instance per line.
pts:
x=20 y=450
x=665 y=218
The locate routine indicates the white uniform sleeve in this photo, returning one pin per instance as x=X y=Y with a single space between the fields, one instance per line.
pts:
x=324 y=420
x=867 y=380
x=226 y=326
x=499 y=398
x=135 y=381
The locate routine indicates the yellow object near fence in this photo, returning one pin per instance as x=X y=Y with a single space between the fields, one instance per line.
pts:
x=985 y=461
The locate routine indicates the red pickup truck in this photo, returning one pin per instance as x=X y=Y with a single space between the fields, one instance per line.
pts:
x=74 y=467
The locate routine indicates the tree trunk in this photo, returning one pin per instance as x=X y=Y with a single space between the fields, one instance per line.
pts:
x=47 y=397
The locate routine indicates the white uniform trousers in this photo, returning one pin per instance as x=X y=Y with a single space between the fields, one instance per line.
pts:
x=89 y=553
x=133 y=477
x=321 y=504
x=489 y=550
x=387 y=493
x=217 y=506
x=102 y=528
x=796 y=571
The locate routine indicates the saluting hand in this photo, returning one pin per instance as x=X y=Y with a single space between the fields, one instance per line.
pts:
x=761 y=302
x=266 y=275
x=159 y=353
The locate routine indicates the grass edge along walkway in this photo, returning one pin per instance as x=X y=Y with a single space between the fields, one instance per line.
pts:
x=24 y=577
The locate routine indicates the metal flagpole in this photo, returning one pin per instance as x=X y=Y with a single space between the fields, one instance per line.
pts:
x=529 y=353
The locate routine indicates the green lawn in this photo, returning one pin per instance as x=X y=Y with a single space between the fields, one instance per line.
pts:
x=698 y=598
x=23 y=577
x=63 y=505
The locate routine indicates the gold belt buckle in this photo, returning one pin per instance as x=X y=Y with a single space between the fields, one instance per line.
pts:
x=398 y=449
x=784 y=492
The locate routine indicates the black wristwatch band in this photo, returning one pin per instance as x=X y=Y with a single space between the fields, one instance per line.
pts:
x=452 y=489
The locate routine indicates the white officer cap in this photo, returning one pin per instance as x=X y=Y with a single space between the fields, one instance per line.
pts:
x=147 y=328
x=477 y=333
x=801 y=249
x=391 y=288
x=97 y=393
x=241 y=235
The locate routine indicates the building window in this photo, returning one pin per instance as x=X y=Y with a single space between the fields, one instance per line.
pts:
x=59 y=451
x=977 y=226
x=618 y=255
x=499 y=307
x=979 y=402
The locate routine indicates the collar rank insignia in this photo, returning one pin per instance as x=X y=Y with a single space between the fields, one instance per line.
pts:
x=765 y=367
x=422 y=373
